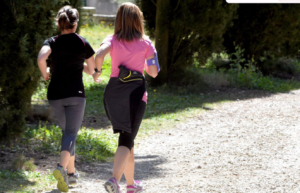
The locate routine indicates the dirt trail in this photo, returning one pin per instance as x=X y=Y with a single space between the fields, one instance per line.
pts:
x=242 y=146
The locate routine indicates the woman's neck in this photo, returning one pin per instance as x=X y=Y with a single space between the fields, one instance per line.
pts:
x=70 y=31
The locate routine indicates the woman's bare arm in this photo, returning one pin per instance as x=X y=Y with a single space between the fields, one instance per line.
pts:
x=152 y=69
x=99 y=59
x=89 y=66
x=42 y=57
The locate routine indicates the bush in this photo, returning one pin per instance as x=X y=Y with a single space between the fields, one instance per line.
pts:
x=270 y=29
x=185 y=31
x=286 y=68
x=216 y=78
x=189 y=80
x=24 y=27
x=22 y=163
x=218 y=61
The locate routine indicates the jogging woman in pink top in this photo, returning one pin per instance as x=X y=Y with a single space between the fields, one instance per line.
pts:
x=125 y=95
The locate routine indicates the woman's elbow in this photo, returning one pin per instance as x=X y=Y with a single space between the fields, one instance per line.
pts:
x=153 y=74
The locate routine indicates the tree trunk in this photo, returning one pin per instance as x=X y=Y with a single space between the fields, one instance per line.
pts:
x=162 y=39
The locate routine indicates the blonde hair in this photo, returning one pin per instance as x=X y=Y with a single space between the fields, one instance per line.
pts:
x=129 y=24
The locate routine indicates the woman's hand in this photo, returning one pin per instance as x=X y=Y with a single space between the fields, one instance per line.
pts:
x=89 y=66
x=47 y=74
x=96 y=76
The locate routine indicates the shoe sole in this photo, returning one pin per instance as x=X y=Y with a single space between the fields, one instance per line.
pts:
x=137 y=191
x=109 y=187
x=61 y=184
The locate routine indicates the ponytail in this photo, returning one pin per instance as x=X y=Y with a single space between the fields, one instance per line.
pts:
x=67 y=18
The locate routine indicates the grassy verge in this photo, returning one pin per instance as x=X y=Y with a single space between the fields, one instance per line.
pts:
x=25 y=182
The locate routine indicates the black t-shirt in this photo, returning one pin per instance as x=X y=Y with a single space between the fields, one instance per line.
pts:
x=68 y=53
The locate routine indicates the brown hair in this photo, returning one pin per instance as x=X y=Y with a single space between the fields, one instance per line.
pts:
x=67 y=18
x=129 y=24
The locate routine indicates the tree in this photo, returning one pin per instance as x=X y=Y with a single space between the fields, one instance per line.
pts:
x=265 y=29
x=25 y=24
x=185 y=31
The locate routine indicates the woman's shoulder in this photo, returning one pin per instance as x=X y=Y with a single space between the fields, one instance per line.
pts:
x=82 y=39
x=50 y=40
x=147 y=40
x=111 y=37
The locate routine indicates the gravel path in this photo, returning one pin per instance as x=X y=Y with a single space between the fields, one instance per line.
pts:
x=242 y=146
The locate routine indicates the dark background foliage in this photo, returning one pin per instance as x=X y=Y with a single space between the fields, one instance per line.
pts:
x=24 y=27
x=195 y=31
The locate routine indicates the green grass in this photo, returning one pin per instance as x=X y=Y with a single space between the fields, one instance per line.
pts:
x=91 y=145
x=96 y=34
x=25 y=182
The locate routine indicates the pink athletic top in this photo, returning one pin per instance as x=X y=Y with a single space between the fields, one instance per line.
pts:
x=130 y=54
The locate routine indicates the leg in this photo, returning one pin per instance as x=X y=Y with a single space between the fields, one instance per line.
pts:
x=59 y=111
x=74 y=110
x=120 y=160
x=71 y=165
x=129 y=168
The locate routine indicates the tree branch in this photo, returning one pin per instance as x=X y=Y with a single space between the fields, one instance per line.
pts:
x=153 y=2
x=177 y=5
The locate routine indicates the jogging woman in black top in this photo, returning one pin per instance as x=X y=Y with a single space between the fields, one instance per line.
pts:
x=66 y=95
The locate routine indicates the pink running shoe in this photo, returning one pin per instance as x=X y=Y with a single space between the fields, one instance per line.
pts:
x=112 y=186
x=136 y=187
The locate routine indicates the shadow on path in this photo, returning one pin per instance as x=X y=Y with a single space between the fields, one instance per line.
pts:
x=144 y=166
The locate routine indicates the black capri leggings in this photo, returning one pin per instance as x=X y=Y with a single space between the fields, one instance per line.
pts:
x=127 y=139
x=69 y=113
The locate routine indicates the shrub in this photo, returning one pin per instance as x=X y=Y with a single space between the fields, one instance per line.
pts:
x=188 y=80
x=22 y=163
x=265 y=28
x=285 y=68
x=24 y=27
x=185 y=29
x=215 y=78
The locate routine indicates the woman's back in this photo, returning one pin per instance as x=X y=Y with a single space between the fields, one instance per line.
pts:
x=68 y=53
x=130 y=54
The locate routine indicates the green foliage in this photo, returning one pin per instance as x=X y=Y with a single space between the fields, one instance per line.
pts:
x=96 y=34
x=95 y=146
x=22 y=163
x=218 y=61
x=244 y=74
x=25 y=181
x=91 y=145
x=24 y=27
x=148 y=8
x=195 y=29
x=270 y=29
x=280 y=67
x=188 y=80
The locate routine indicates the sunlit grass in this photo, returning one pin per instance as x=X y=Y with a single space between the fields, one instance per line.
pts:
x=96 y=34
x=26 y=182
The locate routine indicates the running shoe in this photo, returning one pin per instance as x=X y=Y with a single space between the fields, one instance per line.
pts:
x=62 y=179
x=112 y=186
x=73 y=178
x=135 y=188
